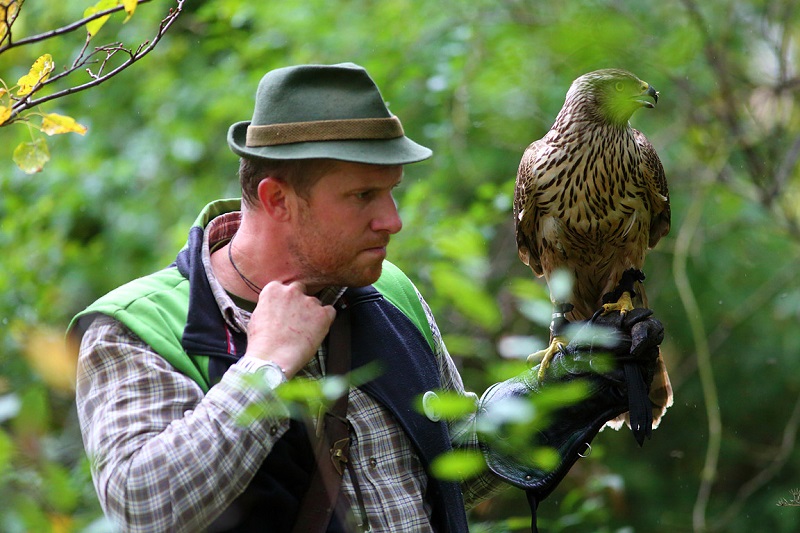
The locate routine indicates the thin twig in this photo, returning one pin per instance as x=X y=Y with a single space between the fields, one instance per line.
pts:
x=786 y=168
x=8 y=19
x=98 y=77
x=81 y=54
x=705 y=369
x=63 y=30
x=732 y=319
x=767 y=474
x=759 y=297
x=727 y=112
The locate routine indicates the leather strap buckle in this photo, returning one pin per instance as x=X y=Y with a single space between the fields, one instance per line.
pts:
x=339 y=454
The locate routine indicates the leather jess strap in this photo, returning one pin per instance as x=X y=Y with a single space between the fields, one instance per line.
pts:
x=332 y=442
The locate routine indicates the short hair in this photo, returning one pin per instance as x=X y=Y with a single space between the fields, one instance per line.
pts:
x=300 y=174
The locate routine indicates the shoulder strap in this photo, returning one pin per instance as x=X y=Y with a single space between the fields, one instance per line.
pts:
x=333 y=444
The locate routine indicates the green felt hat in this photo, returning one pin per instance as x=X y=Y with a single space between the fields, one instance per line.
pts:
x=323 y=111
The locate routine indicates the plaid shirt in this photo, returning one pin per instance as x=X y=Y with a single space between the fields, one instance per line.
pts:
x=166 y=457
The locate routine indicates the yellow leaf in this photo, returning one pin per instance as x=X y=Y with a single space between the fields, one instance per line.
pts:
x=31 y=157
x=61 y=523
x=94 y=26
x=8 y=12
x=50 y=356
x=130 y=7
x=5 y=114
x=38 y=73
x=53 y=124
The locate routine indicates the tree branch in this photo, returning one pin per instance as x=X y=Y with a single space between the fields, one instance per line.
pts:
x=61 y=31
x=97 y=77
x=728 y=110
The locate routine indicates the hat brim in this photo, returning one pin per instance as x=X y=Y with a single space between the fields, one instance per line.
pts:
x=399 y=151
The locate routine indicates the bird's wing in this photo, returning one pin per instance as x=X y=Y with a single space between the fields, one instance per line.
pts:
x=656 y=183
x=525 y=209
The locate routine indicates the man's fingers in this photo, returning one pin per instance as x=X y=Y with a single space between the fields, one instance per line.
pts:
x=299 y=285
x=331 y=312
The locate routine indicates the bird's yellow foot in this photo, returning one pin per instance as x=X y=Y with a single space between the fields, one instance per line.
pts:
x=623 y=305
x=543 y=357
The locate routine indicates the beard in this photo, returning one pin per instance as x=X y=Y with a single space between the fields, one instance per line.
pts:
x=325 y=257
x=327 y=267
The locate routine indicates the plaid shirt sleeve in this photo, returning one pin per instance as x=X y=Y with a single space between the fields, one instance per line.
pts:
x=164 y=456
x=463 y=434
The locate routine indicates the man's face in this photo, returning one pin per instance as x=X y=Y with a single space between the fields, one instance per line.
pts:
x=343 y=228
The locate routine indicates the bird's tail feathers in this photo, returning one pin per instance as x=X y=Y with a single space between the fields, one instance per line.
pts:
x=660 y=396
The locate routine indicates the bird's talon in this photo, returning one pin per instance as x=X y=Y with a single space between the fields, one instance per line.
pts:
x=545 y=356
x=623 y=305
x=542 y=369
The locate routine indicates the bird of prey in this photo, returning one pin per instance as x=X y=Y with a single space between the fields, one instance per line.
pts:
x=590 y=199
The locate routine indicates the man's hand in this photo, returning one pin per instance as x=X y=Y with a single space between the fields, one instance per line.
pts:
x=288 y=326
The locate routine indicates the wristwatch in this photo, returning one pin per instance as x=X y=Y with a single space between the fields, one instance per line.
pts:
x=271 y=371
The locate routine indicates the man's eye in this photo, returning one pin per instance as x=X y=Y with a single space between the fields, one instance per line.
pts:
x=363 y=195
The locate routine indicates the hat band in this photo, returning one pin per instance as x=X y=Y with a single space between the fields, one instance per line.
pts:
x=324 y=130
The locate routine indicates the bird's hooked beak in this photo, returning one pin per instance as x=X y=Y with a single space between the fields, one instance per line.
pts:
x=650 y=91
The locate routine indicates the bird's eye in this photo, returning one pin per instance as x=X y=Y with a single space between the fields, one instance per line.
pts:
x=619 y=86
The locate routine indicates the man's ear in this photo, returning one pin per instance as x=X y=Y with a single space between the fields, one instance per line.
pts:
x=275 y=197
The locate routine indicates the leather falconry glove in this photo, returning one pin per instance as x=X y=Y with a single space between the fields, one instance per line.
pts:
x=597 y=356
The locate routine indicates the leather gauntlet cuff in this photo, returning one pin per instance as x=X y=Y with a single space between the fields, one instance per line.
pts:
x=569 y=433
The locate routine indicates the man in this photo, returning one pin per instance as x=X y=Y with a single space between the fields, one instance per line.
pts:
x=173 y=364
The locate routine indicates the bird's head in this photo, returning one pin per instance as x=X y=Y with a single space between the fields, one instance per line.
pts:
x=611 y=95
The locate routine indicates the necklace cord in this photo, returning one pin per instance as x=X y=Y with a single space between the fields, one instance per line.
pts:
x=250 y=285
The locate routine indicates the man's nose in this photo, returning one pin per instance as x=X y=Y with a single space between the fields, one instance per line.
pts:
x=388 y=218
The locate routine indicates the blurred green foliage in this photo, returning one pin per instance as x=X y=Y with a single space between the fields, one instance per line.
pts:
x=476 y=81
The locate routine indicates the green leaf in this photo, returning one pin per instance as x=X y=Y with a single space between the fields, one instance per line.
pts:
x=470 y=299
x=6 y=451
x=561 y=282
x=544 y=457
x=528 y=289
x=34 y=414
x=301 y=391
x=31 y=156
x=449 y=405
x=60 y=492
x=458 y=465
x=556 y=396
